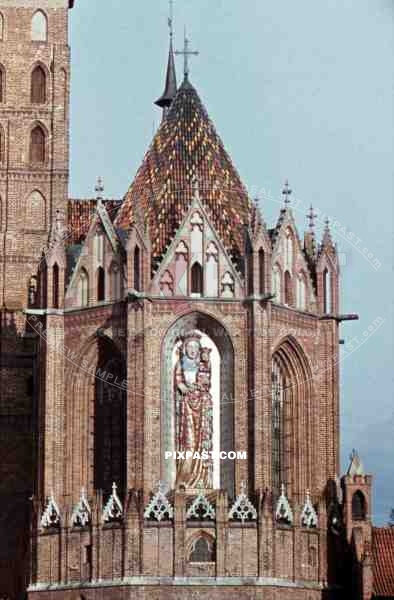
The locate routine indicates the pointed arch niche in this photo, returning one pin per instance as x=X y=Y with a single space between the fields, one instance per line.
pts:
x=293 y=438
x=96 y=419
x=215 y=338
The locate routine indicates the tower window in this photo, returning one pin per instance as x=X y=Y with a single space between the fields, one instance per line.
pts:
x=358 y=507
x=55 y=286
x=1 y=27
x=37 y=146
x=100 y=284
x=137 y=269
x=197 y=275
x=39 y=27
x=38 y=86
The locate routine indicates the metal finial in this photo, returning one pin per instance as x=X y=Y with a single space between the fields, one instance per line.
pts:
x=186 y=52
x=311 y=216
x=327 y=222
x=286 y=193
x=99 y=188
x=171 y=18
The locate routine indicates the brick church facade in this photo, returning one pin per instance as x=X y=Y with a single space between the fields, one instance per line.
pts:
x=171 y=322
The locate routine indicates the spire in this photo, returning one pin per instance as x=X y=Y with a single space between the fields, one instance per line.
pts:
x=170 y=89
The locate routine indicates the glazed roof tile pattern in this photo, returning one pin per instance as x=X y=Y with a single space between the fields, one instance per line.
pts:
x=383 y=561
x=80 y=214
x=186 y=146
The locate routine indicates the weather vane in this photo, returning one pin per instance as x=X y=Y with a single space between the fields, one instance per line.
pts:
x=186 y=52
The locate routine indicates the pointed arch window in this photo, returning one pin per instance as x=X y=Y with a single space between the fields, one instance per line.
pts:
x=137 y=269
x=326 y=291
x=38 y=86
x=2 y=83
x=35 y=211
x=83 y=288
x=100 y=284
x=55 y=286
x=261 y=271
x=109 y=433
x=37 y=145
x=1 y=27
x=358 y=506
x=39 y=27
x=291 y=394
x=278 y=392
x=277 y=283
x=197 y=279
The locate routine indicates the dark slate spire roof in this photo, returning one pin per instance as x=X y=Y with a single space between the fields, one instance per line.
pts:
x=170 y=90
x=186 y=146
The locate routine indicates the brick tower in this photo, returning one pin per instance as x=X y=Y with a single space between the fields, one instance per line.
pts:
x=34 y=155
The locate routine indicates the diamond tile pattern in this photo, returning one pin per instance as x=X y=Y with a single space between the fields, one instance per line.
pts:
x=185 y=146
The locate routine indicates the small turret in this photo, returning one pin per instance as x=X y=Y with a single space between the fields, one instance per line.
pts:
x=356 y=487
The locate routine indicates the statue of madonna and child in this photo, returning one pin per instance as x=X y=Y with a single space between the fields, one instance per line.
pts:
x=194 y=412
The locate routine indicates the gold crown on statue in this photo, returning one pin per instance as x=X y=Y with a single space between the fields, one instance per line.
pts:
x=192 y=335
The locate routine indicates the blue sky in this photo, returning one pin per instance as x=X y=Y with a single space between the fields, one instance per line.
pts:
x=299 y=90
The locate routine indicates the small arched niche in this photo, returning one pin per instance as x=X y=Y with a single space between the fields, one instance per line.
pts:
x=202 y=549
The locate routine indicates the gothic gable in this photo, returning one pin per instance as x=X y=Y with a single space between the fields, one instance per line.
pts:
x=98 y=275
x=291 y=280
x=196 y=263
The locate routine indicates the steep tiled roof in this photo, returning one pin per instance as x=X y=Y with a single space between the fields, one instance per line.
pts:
x=80 y=213
x=383 y=562
x=186 y=146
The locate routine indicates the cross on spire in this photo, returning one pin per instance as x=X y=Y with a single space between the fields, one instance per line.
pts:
x=186 y=52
